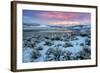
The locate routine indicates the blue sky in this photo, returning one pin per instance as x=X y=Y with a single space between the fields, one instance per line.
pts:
x=56 y=18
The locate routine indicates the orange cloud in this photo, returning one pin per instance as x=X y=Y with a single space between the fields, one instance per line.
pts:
x=64 y=23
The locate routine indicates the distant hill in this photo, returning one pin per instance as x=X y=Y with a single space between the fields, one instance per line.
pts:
x=41 y=27
x=31 y=24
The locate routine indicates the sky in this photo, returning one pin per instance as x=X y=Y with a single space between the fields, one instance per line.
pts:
x=56 y=17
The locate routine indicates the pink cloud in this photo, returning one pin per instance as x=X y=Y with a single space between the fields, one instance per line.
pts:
x=59 y=15
x=72 y=17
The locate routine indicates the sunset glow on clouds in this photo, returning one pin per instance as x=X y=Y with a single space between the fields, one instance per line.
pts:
x=59 y=15
x=57 y=18
x=64 y=23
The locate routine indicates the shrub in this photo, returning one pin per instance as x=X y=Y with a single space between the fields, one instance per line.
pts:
x=81 y=44
x=29 y=40
x=85 y=53
x=46 y=37
x=76 y=38
x=49 y=51
x=59 y=45
x=49 y=58
x=39 y=48
x=83 y=34
x=37 y=41
x=67 y=45
x=58 y=55
x=35 y=54
x=87 y=50
x=48 y=43
x=67 y=55
x=66 y=39
x=56 y=38
x=88 y=42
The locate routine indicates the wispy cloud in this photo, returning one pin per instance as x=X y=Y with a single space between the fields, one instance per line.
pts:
x=64 y=23
x=56 y=17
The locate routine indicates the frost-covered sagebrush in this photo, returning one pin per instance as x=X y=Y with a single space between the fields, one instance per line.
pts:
x=56 y=46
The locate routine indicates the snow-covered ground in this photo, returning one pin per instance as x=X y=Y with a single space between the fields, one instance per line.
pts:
x=55 y=46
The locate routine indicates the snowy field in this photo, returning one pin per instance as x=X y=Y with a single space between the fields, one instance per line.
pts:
x=56 y=46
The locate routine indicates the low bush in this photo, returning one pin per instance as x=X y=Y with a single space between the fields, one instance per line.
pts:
x=48 y=43
x=39 y=48
x=35 y=54
x=67 y=45
x=85 y=53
